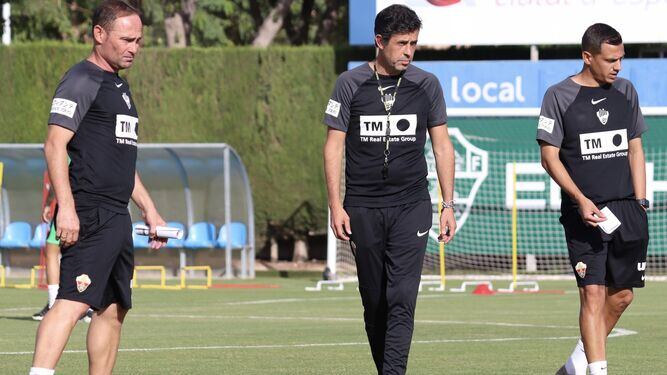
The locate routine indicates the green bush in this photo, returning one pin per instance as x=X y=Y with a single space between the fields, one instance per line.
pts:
x=266 y=104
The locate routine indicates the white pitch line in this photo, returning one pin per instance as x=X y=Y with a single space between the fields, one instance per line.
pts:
x=340 y=319
x=356 y=297
x=420 y=321
x=620 y=332
x=20 y=309
x=359 y=320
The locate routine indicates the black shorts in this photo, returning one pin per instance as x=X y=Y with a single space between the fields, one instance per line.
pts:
x=97 y=269
x=617 y=260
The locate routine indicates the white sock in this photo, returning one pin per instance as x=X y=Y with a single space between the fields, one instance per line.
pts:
x=41 y=371
x=598 y=368
x=53 y=293
x=577 y=363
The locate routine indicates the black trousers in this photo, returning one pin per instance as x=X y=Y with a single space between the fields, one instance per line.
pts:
x=389 y=245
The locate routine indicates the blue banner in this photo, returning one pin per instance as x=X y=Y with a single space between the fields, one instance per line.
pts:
x=522 y=84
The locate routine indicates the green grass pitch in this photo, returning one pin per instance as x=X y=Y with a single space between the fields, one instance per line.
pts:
x=286 y=330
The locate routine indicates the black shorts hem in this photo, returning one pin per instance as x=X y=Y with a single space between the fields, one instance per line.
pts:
x=96 y=307
x=78 y=299
x=609 y=285
x=626 y=286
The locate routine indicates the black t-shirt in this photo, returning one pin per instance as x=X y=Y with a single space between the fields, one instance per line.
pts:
x=355 y=107
x=97 y=106
x=592 y=126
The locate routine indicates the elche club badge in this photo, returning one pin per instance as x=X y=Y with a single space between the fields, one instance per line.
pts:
x=82 y=282
x=127 y=100
x=603 y=115
x=581 y=269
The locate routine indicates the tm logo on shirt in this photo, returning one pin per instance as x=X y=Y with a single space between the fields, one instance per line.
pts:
x=402 y=128
x=604 y=145
x=126 y=130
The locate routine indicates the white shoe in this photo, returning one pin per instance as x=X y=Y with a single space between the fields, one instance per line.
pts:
x=87 y=317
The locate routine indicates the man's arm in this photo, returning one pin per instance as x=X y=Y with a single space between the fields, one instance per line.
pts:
x=443 y=150
x=55 y=152
x=152 y=218
x=333 y=157
x=555 y=168
x=637 y=167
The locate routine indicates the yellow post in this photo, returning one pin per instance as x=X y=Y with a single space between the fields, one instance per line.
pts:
x=2 y=275
x=514 y=225
x=441 y=245
x=32 y=274
x=209 y=277
x=163 y=277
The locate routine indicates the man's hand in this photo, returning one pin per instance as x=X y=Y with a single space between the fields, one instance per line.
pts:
x=340 y=223
x=590 y=213
x=67 y=226
x=153 y=220
x=447 y=225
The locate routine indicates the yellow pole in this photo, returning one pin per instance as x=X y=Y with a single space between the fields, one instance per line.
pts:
x=441 y=244
x=514 y=224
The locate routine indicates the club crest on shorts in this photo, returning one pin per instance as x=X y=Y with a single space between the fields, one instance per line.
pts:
x=581 y=269
x=82 y=282
x=603 y=115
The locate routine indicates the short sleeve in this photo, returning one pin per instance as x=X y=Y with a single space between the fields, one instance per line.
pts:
x=638 y=126
x=337 y=113
x=550 y=122
x=437 y=114
x=75 y=94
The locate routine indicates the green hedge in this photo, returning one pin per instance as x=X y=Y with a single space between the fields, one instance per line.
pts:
x=267 y=104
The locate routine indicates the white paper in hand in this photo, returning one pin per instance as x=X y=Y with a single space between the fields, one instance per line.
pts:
x=611 y=224
x=163 y=232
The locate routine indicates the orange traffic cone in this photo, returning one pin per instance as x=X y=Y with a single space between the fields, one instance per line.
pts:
x=483 y=290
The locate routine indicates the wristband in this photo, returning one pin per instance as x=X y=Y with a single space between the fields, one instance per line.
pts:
x=447 y=204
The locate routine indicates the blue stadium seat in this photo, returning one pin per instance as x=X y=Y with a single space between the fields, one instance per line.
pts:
x=239 y=236
x=17 y=235
x=174 y=243
x=140 y=242
x=39 y=239
x=200 y=236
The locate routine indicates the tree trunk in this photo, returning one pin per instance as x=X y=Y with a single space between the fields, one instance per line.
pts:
x=274 y=250
x=300 y=251
x=328 y=22
x=272 y=24
x=188 y=13
x=175 y=30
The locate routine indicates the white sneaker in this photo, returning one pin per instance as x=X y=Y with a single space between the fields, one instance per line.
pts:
x=87 y=317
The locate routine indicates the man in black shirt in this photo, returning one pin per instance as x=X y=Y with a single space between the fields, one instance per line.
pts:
x=379 y=113
x=94 y=121
x=589 y=133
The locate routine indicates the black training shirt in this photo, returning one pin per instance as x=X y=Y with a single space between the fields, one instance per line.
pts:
x=592 y=126
x=97 y=106
x=355 y=107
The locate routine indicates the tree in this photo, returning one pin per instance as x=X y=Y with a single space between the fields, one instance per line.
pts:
x=51 y=19
x=273 y=23
x=181 y=23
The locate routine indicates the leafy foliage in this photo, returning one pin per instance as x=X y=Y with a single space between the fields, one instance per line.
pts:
x=211 y=23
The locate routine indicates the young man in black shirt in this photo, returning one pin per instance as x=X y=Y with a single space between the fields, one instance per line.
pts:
x=379 y=114
x=589 y=133
x=94 y=121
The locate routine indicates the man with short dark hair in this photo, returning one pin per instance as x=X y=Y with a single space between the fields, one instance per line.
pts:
x=94 y=121
x=589 y=132
x=379 y=113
